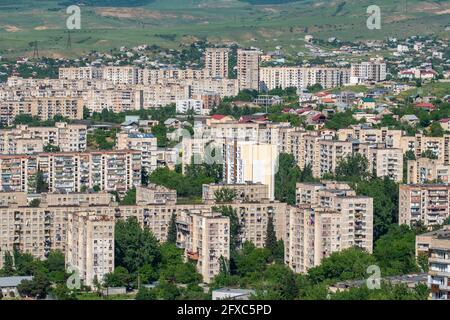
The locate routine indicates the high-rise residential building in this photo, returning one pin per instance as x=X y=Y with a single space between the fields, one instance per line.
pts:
x=145 y=143
x=195 y=106
x=383 y=162
x=27 y=140
x=48 y=108
x=435 y=245
x=243 y=192
x=120 y=75
x=418 y=144
x=205 y=237
x=329 y=217
x=79 y=73
x=427 y=204
x=216 y=62
x=425 y=170
x=373 y=70
x=248 y=69
x=250 y=161
x=72 y=172
x=90 y=245
x=391 y=138
x=302 y=78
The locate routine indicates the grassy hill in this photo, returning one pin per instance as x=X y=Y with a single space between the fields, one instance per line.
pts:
x=108 y=23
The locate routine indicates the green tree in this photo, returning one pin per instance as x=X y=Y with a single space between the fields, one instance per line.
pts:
x=172 y=231
x=348 y=264
x=428 y=154
x=286 y=178
x=395 y=251
x=271 y=238
x=35 y=203
x=354 y=167
x=385 y=202
x=51 y=148
x=146 y=294
x=135 y=247
x=38 y=287
x=130 y=198
x=224 y=195
x=41 y=183
x=8 y=265
x=120 y=277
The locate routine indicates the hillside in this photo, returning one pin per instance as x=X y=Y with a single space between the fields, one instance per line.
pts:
x=266 y=23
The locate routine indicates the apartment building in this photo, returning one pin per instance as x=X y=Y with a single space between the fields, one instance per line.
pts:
x=216 y=62
x=329 y=217
x=250 y=161
x=425 y=203
x=195 y=106
x=248 y=69
x=220 y=86
x=79 y=73
x=301 y=77
x=436 y=246
x=321 y=153
x=205 y=237
x=9 y=109
x=155 y=194
x=424 y=170
x=373 y=70
x=391 y=138
x=90 y=245
x=383 y=162
x=26 y=140
x=72 y=172
x=18 y=173
x=145 y=143
x=47 y=108
x=244 y=192
x=79 y=224
x=114 y=99
x=120 y=75
x=439 y=146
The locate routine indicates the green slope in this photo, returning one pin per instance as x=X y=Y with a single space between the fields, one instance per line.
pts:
x=268 y=25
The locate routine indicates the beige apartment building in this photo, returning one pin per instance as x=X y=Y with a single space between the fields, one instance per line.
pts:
x=79 y=73
x=25 y=140
x=301 y=77
x=248 y=69
x=391 y=138
x=425 y=203
x=419 y=143
x=82 y=222
x=383 y=162
x=329 y=217
x=425 y=170
x=436 y=246
x=145 y=143
x=47 y=108
x=216 y=62
x=321 y=153
x=373 y=70
x=90 y=245
x=72 y=172
x=249 y=161
x=120 y=75
x=244 y=192
x=205 y=237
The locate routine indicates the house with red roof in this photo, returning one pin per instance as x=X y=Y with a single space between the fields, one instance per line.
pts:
x=425 y=105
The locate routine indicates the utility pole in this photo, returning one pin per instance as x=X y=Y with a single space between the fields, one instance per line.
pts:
x=69 y=40
x=35 y=50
